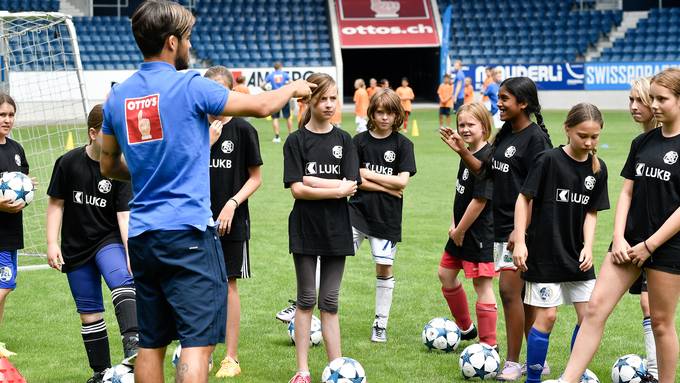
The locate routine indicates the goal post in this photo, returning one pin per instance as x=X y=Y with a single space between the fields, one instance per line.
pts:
x=40 y=68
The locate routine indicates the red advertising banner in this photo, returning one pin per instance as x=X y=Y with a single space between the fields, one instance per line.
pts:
x=386 y=23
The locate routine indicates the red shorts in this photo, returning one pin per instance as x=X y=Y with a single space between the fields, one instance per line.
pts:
x=471 y=269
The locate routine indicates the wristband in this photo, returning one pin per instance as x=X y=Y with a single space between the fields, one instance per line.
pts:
x=645 y=243
x=235 y=201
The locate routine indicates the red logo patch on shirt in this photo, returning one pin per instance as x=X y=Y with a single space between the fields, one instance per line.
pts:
x=143 y=120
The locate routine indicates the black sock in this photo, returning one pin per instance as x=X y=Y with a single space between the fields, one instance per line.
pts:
x=124 y=302
x=96 y=343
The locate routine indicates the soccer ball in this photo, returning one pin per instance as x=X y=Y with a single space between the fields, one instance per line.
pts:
x=178 y=351
x=589 y=377
x=628 y=369
x=267 y=86
x=119 y=373
x=479 y=361
x=16 y=186
x=343 y=370
x=441 y=334
x=315 y=335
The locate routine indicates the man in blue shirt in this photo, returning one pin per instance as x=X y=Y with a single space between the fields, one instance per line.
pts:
x=273 y=81
x=458 y=85
x=157 y=119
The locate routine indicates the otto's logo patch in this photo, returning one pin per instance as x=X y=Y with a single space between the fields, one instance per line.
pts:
x=466 y=174
x=143 y=119
x=510 y=151
x=337 y=151
x=104 y=186
x=17 y=159
x=5 y=274
x=670 y=158
x=589 y=183
x=389 y=156
x=227 y=147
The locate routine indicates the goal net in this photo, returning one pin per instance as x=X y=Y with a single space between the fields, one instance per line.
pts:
x=40 y=68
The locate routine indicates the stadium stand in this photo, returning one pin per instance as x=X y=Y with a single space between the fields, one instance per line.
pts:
x=106 y=42
x=29 y=5
x=656 y=38
x=532 y=31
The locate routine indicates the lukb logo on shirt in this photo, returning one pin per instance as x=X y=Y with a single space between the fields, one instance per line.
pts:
x=566 y=195
x=642 y=170
x=314 y=168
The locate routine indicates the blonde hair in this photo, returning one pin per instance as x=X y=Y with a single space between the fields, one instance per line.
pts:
x=323 y=82
x=641 y=87
x=479 y=113
x=359 y=83
x=389 y=101
x=219 y=71
x=581 y=113
x=668 y=78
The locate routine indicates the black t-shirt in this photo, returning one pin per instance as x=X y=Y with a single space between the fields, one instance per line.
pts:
x=511 y=162
x=91 y=202
x=653 y=166
x=230 y=156
x=320 y=227
x=12 y=159
x=379 y=214
x=563 y=191
x=478 y=240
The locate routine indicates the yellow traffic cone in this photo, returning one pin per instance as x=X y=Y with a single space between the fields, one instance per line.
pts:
x=69 y=141
x=414 y=129
x=268 y=118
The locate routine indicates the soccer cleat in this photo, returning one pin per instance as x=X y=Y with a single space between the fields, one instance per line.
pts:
x=546 y=369
x=276 y=140
x=469 y=334
x=287 y=314
x=130 y=350
x=511 y=372
x=649 y=378
x=299 y=378
x=228 y=368
x=98 y=377
x=4 y=352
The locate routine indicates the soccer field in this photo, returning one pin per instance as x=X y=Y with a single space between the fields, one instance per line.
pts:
x=42 y=326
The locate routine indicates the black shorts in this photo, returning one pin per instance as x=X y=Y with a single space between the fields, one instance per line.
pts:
x=640 y=285
x=285 y=111
x=444 y=111
x=236 y=258
x=181 y=287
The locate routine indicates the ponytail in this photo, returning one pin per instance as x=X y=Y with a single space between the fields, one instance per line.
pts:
x=306 y=116
x=539 y=122
x=596 y=161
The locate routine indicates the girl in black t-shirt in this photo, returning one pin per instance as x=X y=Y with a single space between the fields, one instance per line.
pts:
x=470 y=244
x=322 y=170
x=511 y=156
x=646 y=227
x=561 y=196
x=12 y=159
x=387 y=161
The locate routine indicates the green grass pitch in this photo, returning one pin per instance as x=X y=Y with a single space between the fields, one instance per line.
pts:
x=42 y=326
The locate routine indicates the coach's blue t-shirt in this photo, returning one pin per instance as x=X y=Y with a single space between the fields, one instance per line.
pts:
x=159 y=118
x=277 y=78
x=460 y=79
x=492 y=93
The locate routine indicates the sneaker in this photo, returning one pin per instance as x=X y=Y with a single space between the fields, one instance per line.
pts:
x=98 y=377
x=130 y=350
x=379 y=330
x=546 y=369
x=228 y=368
x=299 y=378
x=277 y=140
x=511 y=372
x=286 y=315
x=4 y=352
x=469 y=334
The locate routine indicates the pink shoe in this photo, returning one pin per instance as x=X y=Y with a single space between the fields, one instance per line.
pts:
x=299 y=378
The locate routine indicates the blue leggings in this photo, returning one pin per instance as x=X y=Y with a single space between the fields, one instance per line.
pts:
x=110 y=262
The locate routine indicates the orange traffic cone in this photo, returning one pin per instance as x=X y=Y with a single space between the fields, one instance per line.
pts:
x=8 y=373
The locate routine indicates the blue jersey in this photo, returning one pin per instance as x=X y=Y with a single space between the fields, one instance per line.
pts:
x=159 y=118
x=277 y=78
x=492 y=93
x=459 y=81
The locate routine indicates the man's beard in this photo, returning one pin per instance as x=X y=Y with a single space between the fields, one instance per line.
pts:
x=182 y=63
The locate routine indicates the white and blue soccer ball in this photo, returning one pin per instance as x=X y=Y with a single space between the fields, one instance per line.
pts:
x=16 y=186
x=441 y=334
x=119 y=373
x=315 y=335
x=343 y=370
x=178 y=351
x=629 y=369
x=589 y=377
x=479 y=361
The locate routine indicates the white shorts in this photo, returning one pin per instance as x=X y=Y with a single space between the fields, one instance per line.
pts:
x=557 y=294
x=361 y=124
x=383 y=250
x=502 y=257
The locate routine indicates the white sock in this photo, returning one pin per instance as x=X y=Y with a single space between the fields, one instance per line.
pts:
x=383 y=297
x=650 y=347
